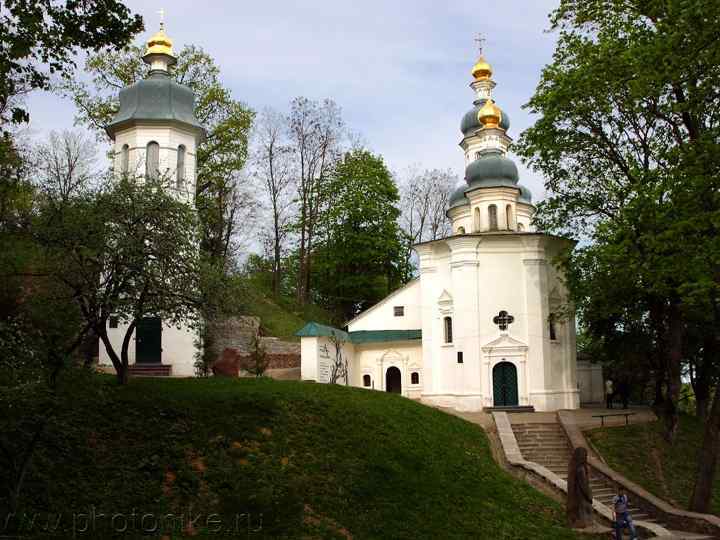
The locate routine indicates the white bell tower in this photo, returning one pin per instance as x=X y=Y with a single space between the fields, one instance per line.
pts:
x=155 y=131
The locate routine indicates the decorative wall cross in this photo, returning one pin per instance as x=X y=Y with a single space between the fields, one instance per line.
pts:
x=502 y=319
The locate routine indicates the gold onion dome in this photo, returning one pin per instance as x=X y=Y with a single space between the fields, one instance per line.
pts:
x=490 y=115
x=160 y=43
x=481 y=70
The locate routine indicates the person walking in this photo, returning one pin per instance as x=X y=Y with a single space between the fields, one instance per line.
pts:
x=609 y=393
x=622 y=518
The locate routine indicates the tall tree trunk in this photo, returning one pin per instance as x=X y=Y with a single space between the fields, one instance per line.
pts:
x=671 y=416
x=276 y=253
x=299 y=295
x=702 y=382
x=120 y=368
x=707 y=460
x=124 y=351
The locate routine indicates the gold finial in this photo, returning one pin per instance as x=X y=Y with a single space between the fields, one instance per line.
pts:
x=490 y=115
x=160 y=43
x=481 y=70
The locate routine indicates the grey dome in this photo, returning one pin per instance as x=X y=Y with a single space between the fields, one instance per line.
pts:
x=156 y=98
x=470 y=121
x=525 y=194
x=458 y=197
x=492 y=169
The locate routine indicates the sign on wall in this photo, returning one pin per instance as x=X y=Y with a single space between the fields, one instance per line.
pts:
x=324 y=364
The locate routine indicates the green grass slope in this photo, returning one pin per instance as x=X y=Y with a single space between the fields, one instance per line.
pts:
x=639 y=452
x=302 y=460
x=280 y=317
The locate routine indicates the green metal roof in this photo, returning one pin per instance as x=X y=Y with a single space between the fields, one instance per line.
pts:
x=378 y=336
x=158 y=98
x=313 y=329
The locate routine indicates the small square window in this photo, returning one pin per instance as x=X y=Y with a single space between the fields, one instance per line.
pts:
x=460 y=357
x=399 y=311
x=113 y=322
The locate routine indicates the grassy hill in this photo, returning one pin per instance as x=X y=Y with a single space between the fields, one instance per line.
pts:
x=639 y=452
x=302 y=460
x=282 y=318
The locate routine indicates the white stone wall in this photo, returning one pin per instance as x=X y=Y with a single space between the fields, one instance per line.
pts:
x=382 y=315
x=590 y=382
x=374 y=359
x=470 y=279
x=178 y=348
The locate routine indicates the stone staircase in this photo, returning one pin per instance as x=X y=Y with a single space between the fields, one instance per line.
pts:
x=150 y=370
x=547 y=445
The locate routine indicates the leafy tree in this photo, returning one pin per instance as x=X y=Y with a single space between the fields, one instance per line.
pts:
x=128 y=251
x=316 y=131
x=424 y=198
x=273 y=163
x=360 y=258
x=221 y=195
x=40 y=38
x=627 y=140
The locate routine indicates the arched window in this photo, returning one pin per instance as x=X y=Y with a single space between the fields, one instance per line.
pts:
x=367 y=381
x=414 y=378
x=508 y=216
x=477 y=220
x=553 y=331
x=492 y=217
x=448 y=329
x=461 y=230
x=521 y=227
x=152 y=160
x=180 y=169
x=125 y=159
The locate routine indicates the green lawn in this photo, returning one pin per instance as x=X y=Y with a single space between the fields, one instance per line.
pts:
x=639 y=452
x=315 y=461
x=282 y=318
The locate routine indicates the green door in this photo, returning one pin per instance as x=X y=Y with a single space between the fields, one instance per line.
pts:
x=505 y=386
x=148 y=342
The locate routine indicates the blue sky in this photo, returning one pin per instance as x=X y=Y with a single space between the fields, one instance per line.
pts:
x=399 y=69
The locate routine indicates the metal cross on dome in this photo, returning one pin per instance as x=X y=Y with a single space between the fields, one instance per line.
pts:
x=502 y=319
x=480 y=40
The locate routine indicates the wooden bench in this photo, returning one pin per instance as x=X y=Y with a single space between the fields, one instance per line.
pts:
x=602 y=417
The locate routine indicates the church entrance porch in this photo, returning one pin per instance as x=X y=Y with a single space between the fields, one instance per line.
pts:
x=393 y=380
x=148 y=342
x=505 y=385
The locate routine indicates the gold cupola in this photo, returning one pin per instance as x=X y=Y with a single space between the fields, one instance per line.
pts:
x=490 y=115
x=159 y=46
x=482 y=71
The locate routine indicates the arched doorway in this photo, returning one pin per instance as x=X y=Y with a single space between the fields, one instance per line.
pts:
x=505 y=385
x=393 y=380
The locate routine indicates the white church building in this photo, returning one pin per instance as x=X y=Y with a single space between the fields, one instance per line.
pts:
x=482 y=325
x=155 y=132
